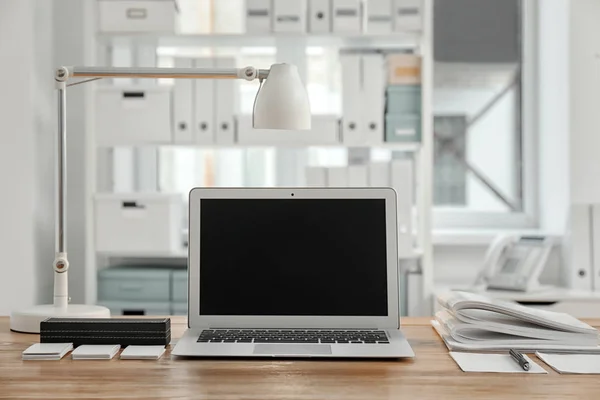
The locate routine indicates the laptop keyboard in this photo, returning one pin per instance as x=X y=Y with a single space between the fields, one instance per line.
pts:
x=291 y=336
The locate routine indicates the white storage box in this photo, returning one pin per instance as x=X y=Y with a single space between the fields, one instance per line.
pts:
x=132 y=115
x=378 y=16
x=289 y=16
x=403 y=69
x=138 y=222
x=346 y=16
x=137 y=15
x=319 y=16
x=324 y=131
x=408 y=15
x=258 y=16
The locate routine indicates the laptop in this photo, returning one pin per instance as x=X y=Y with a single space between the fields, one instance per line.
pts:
x=302 y=272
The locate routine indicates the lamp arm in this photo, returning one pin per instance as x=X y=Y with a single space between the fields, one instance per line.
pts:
x=63 y=74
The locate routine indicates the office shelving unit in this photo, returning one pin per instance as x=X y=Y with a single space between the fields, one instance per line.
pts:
x=288 y=46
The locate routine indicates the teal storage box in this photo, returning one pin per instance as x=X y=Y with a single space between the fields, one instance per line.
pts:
x=403 y=128
x=179 y=308
x=137 y=308
x=134 y=284
x=179 y=286
x=403 y=99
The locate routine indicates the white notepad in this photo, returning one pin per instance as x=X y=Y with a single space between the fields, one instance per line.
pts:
x=504 y=363
x=142 y=352
x=47 y=351
x=572 y=363
x=95 y=352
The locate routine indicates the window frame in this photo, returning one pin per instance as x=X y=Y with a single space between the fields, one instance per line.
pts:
x=447 y=218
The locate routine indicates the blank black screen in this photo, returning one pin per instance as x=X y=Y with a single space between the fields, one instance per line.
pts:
x=316 y=257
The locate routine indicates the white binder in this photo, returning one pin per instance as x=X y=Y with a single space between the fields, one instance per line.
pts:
x=226 y=104
x=346 y=16
x=316 y=177
x=408 y=15
x=403 y=182
x=373 y=97
x=337 y=177
x=258 y=16
x=351 y=100
x=379 y=174
x=204 y=105
x=357 y=176
x=580 y=248
x=289 y=16
x=319 y=16
x=183 y=98
x=378 y=16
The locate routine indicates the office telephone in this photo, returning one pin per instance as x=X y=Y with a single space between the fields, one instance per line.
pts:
x=515 y=262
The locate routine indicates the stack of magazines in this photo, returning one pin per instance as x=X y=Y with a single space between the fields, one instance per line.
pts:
x=473 y=322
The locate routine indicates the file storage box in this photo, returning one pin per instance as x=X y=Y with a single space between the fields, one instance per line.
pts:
x=402 y=128
x=403 y=99
x=179 y=308
x=132 y=115
x=137 y=16
x=138 y=223
x=179 y=285
x=134 y=284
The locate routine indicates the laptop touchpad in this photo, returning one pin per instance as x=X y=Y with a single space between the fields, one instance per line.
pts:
x=292 y=349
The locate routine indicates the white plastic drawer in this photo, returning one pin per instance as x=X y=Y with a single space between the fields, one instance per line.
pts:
x=134 y=284
x=138 y=223
x=137 y=15
x=179 y=286
x=179 y=308
x=132 y=115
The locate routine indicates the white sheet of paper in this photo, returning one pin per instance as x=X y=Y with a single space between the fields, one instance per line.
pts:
x=572 y=363
x=142 y=352
x=475 y=362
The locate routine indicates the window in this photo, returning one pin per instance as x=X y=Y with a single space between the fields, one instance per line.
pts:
x=480 y=135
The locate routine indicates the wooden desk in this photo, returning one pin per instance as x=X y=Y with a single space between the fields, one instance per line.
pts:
x=431 y=375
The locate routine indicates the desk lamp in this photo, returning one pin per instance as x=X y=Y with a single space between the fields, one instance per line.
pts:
x=281 y=103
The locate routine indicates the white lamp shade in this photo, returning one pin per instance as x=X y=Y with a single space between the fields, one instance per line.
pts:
x=282 y=102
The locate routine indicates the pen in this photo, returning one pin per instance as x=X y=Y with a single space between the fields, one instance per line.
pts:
x=518 y=357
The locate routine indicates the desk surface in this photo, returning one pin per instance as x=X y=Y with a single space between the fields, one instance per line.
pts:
x=431 y=375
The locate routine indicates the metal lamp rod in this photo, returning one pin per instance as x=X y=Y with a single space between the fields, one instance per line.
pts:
x=61 y=76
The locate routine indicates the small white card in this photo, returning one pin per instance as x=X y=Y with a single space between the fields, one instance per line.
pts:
x=474 y=362
x=47 y=351
x=572 y=363
x=142 y=352
x=95 y=352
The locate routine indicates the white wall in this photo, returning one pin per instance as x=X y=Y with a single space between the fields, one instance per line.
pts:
x=553 y=114
x=26 y=132
x=74 y=44
x=584 y=117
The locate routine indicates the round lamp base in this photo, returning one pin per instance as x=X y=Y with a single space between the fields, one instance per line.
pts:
x=28 y=321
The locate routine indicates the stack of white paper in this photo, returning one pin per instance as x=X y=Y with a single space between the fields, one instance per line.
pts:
x=95 y=352
x=469 y=321
x=47 y=351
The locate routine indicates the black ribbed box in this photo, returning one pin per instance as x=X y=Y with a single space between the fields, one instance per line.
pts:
x=123 y=331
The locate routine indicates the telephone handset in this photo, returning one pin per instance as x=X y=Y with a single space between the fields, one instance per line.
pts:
x=515 y=262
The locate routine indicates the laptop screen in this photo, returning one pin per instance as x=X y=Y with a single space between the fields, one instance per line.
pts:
x=293 y=257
